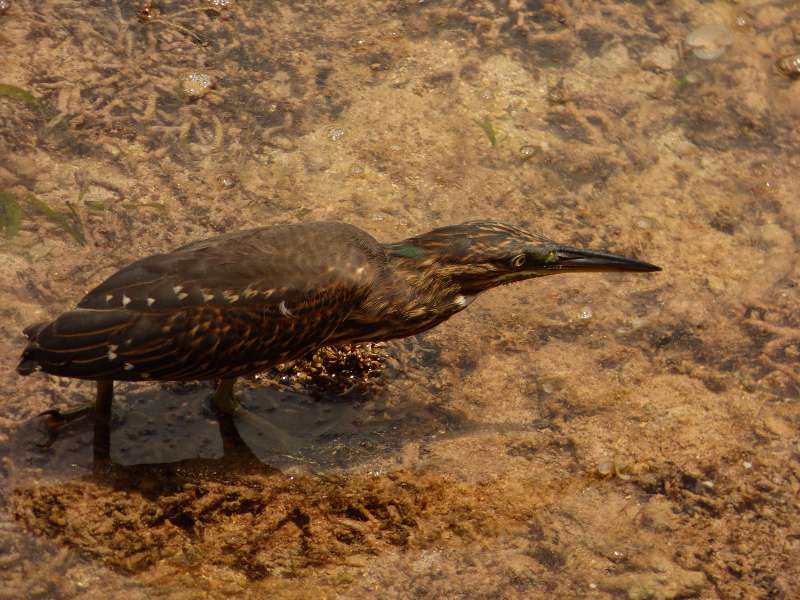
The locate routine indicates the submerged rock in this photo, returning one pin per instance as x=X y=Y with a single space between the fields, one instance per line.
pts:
x=527 y=151
x=789 y=65
x=196 y=85
x=654 y=575
x=662 y=58
x=709 y=42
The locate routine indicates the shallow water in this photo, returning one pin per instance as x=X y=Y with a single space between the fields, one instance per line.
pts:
x=579 y=436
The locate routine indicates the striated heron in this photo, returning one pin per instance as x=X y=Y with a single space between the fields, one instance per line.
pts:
x=242 y=302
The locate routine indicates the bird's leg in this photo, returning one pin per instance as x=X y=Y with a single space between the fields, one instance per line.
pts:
x=232 y=443
x=224 y=400
x=56 y=420
x=102 y=423
x=231 y=415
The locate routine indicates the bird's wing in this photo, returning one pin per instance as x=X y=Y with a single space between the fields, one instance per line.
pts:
x=221 y=307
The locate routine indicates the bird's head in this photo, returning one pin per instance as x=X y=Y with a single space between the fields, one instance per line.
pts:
x=480 y=255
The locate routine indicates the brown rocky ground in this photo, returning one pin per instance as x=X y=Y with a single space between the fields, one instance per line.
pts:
x=573 y=437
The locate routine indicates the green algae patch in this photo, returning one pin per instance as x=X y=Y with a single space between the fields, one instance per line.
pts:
x=10 y=214
x=488 y=129
x=75 y=230
x=17 y=93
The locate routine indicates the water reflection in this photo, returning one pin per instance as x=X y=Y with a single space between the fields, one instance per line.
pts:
x=281 y=428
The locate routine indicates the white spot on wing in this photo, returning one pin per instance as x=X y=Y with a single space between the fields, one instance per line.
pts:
x=109 y=297
x=125 y=300
x=150 y=301
x=285 y=311
x=464 y=300
x=359 y=270
x=182 y=295
x=129 y=367
x=177 y=289
x=207 y=297
x=112 y=351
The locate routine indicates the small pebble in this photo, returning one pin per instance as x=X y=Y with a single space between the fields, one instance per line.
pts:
x=227 y=181
x=605 y=469
x=585 y=313
x=692 y=78
x=788 y=65
x=709 y=41
x=196 y=85
x=637 y=323
x=527 y=152
x=747 y=465
x=335 y=133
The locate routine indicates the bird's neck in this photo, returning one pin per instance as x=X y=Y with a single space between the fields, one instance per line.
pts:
x=426 y=270
x=425 y=286
x=412 y=296
x=428 y=289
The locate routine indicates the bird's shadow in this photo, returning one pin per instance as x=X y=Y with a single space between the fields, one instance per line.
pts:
x=176 y=428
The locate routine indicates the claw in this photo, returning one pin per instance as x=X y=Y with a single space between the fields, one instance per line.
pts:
x=53 y=423
x=56 y=420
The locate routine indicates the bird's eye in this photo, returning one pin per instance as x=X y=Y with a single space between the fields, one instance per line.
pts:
x=518 y=261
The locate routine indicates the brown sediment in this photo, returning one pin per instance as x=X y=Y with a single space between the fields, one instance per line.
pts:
x=263 y=524
x=519 y=450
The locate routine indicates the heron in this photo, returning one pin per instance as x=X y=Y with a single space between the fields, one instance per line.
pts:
x=239 y=303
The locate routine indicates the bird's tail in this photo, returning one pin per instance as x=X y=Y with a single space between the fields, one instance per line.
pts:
x=27 y=363
x=76 y=344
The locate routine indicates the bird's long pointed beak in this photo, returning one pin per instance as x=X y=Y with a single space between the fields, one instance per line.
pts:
x=578 y=260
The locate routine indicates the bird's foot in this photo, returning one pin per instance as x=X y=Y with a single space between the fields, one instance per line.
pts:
x=55 y=421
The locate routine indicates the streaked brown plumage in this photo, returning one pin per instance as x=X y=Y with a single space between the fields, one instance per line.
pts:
x=241 y=302
x=222 y=307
